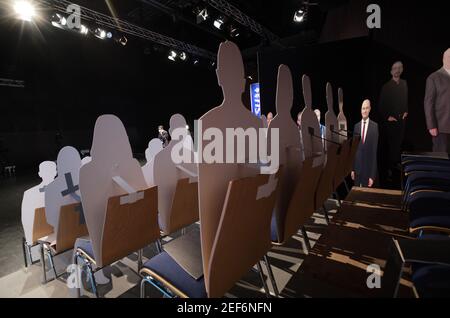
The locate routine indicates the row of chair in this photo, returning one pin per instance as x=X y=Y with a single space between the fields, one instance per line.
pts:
x=243 y=239
x=426 y=199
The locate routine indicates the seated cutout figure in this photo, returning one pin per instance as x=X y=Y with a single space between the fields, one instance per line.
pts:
x=342 y=120
x=331 y=121
x=112 y=172
x=289 y=141
x=154 y=147
x=168 y=170
x=310 y=129
x=34 y=198
x=214 y=175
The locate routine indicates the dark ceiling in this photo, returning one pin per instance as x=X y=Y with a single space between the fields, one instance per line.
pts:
x=177 y=19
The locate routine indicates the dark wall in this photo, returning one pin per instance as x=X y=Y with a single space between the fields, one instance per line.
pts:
x=71 y=80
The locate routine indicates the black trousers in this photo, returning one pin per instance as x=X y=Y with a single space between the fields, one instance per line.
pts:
x=395 y=132
x=441 y=143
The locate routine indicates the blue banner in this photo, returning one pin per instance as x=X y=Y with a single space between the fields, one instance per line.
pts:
x=255 y=98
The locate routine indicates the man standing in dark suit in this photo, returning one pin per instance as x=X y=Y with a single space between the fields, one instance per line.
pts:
x=437 y=106
x=365 y=167
x=393 y=106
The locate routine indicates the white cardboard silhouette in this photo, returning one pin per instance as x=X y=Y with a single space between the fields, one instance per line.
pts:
x=215 y=177
x=331 y=122
x=289 y=139
x=34 y=198
x=167 y=173
x=154 y=147
x=342 y=120
x=64 y=189
x=312 y=146
x=112 y=158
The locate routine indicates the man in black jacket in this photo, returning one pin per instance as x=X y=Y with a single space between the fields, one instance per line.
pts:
x=163 y=135
x=365 y=167
x=393 y=107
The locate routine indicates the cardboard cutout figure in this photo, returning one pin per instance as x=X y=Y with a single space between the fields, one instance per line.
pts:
x=154 y=147
x=214 y=177
x=167 y=172
x=331 y=121
x=342 y=120
x=113 y=171
x=34 y=198
x=310 y=129
x=64 y=190
x=289 y=144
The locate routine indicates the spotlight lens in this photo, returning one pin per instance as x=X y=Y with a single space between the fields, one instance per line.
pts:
x=109 y=35
x=24 y=10
x=84 y=30
x=299 y=16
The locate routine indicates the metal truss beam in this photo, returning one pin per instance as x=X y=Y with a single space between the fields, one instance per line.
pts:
x=12 y=83
x=228 y=9
x=128 y=28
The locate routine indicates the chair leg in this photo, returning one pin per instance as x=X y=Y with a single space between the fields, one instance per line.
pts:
x=44 y=271
x=139 y=263
x=51 y=262
x=92 y=278
x=143 y=282
x=159 y=246
x=78 y=288
x=24 y=249
x=325 y=212
x=183 y=231
x=271 y=276
x=306 y=239
x=261 y=275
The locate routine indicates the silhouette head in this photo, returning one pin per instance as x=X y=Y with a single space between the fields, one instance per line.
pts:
x=154 y=146
x=329 y=90
x=68 y=160
x=307 y=95
x=230 y=69
x=285 y=91
x=318 y=114
x=110 y=142
x=47 y=171
x=446 y=60
x=177 y=121
x=365 y=109
x=397 y=69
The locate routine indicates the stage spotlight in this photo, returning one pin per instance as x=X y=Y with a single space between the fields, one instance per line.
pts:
x=84 y=30
x=196 y=62
x=183 y=56
x=58 y=20
x=300 y=15
x=172 y=55
x=234 y=31
x=218 y=23
x=99 y=33
x=123 y=40
x=202 y=15
x=109 y=35
x=24 y=10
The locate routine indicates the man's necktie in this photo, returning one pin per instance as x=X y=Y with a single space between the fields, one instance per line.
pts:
x=364 y=133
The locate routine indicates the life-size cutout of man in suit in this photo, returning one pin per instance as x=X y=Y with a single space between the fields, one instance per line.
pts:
x=437 y=106
x=365 y=167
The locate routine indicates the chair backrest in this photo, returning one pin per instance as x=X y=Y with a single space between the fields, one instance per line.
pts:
x=352 y=156
x=40 y=226
x=70 y=227
x=129 y=227
x=325 y=186
x=184 y=209
x=302 y=204
x=341 y=168
x=243 y=235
